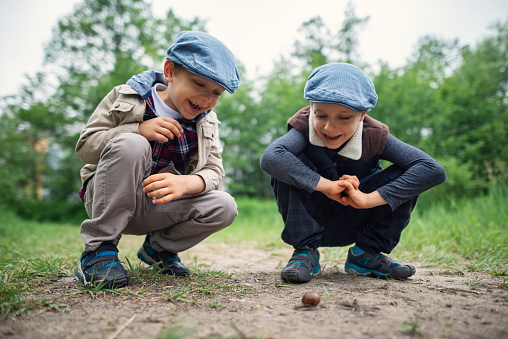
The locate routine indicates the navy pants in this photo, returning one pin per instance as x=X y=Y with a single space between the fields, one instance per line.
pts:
x=314 y=220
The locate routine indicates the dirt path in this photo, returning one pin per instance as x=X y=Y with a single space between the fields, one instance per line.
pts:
x=258 y=305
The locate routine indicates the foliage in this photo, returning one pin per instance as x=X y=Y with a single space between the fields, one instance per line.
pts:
x=101 y=44
x=460 y=182
x=449 y=100
x=408 y=101
x=472 y=126
x=242 y=147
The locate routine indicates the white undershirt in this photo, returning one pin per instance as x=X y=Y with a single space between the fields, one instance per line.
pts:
x=161 y=109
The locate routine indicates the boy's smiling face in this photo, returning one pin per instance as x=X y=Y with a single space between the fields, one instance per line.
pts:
x=335 y=124
x=188 y=93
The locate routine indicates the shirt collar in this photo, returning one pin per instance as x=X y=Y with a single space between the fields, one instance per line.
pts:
x=351 y=150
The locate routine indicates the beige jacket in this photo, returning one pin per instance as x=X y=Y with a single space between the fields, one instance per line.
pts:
x=121 y=111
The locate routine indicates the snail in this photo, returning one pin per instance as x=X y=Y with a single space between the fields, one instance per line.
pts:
x=311 y=299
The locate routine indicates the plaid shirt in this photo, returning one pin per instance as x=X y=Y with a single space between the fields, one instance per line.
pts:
x=172 y=153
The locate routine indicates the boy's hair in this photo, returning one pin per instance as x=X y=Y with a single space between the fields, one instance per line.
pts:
x=177 y=67
x=342 y=84
x=206 y=56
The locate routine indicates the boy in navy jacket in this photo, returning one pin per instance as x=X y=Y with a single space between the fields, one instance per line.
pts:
x=328 y=182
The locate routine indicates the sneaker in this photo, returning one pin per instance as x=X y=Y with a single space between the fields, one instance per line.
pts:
x=302 y=266
x=378 y=266
x=102 y=267
x=168 y=262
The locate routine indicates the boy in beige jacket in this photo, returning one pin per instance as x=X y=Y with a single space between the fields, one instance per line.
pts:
x=153 y=162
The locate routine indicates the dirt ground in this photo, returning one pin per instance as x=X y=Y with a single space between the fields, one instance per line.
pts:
x=432 y=304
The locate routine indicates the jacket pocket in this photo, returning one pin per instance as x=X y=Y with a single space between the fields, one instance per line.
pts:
x=121 y=107
x=208 y=132
x=122 y=112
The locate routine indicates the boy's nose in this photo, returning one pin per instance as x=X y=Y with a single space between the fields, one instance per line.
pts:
x=330 y=127
x=206 y=97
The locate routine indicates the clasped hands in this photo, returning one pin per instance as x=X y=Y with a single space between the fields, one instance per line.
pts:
x=346 y=192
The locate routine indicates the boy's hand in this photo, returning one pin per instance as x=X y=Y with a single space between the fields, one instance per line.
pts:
x=333 y=190
x=352 y=179
x=167 y=187
x=353 y=197
x=160 y=128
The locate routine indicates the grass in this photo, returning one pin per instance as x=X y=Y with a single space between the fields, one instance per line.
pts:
x=465 y=235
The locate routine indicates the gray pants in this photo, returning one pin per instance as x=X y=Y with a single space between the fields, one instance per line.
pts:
x=116 y=204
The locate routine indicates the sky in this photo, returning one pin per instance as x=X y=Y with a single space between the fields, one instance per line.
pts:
x=259 y=32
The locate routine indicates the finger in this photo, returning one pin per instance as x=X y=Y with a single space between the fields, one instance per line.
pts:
x=155 y=192
x=163 y=135
x=348 y=185
x=173 y=122
x=176 y=130
x=150 y=179
x=170 y=132
x=162 y=200
x=343 y=201
x=351 y=178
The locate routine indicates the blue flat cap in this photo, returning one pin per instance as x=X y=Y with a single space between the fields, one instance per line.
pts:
x=206 y=56
x=343 y=84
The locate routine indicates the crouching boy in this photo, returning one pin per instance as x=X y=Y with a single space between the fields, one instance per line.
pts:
x=154 y=162
x=328 y=182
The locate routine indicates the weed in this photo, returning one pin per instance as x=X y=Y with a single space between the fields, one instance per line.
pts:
x=326 y=293
x=474 y=281
x=54 y=305
x=496 y=271
x=411 y=327
x=203 y=283
x=505 y=283
x=213 y=304
x=11 y=302
x=276 y=282
x=176 y=331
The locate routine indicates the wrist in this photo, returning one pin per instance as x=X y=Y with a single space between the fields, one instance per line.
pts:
x=322 y=185
x=194 y=184
x=374 y=199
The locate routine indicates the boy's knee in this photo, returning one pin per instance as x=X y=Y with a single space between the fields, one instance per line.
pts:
x=130 y=145
x=228 y=208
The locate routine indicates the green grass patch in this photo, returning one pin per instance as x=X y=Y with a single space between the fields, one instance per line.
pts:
x=461 y=235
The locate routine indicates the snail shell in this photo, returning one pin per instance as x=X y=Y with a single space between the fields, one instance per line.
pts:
x=311 y=299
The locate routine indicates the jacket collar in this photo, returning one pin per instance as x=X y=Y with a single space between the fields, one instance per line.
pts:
x=351 y=150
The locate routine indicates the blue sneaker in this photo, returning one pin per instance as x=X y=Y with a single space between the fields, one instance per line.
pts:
x=378 y=266
x=302 y=265
x=102 y=267
x=168 y=262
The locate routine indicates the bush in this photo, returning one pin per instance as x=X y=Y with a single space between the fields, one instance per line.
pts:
x=460 y=183
x=54 y=211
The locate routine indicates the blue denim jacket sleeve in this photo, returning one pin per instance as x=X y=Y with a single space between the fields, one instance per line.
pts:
x=144 y=81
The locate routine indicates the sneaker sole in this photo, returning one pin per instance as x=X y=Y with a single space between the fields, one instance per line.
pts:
x=144 y=257
x=81 y=276
x=396 y=274
x=108 y=285
x=295 y=276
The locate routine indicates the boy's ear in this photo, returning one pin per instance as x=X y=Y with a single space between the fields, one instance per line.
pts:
x=169 y=70
x=363 y=116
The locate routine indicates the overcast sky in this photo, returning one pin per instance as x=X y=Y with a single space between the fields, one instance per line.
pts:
x=258 y=32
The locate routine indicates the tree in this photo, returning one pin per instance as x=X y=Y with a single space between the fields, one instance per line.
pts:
x=320 y=46
x=348 y=34
x=97 y=47
x=409 y=101
x=472 y=126
x=101 y=44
